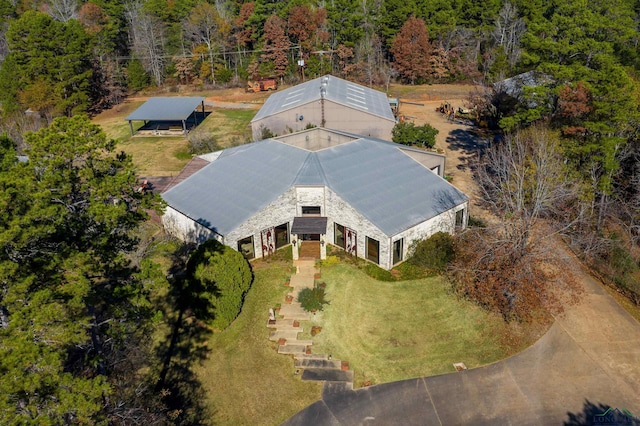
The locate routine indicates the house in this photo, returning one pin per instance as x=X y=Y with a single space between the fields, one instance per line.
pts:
x=328 y=102
x=371 y=197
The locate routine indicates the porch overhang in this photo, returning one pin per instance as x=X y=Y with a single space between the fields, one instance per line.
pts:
x=309 y=225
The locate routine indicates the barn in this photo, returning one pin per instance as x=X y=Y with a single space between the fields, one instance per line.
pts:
x=370 y=197
x=328 y=102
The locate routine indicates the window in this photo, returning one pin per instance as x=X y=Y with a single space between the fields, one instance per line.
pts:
x=282 y=235
x=373 y=250
x=397 y=250
x=339 y=235
x=459 y=218
x=310 y=210
x=245 y=246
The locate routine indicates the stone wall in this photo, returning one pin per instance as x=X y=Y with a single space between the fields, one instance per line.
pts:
x=289 y=205
x=185 y=228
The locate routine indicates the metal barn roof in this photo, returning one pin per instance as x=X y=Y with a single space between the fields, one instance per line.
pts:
x=376 y=178
x=335 y=89
x=166 y=109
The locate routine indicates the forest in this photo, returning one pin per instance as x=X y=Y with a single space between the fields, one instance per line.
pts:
x=75 y=303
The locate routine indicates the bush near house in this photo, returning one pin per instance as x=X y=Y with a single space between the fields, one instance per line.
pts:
x=219 y=277
x=433 y=253
x=409 y=134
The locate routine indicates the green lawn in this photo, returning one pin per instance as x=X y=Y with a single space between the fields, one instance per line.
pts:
x=398 y=330
x=247 y=382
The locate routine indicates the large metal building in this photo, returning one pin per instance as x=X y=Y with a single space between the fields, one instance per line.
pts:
x=371 y=197
x=328 y=102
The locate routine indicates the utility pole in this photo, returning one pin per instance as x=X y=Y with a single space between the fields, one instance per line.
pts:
x=301 y=63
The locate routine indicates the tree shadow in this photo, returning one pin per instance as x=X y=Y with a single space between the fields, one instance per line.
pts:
x=184 y=346
x=467 y=144
x=602 y=414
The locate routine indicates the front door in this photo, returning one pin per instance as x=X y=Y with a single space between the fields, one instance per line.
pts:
x=310 y=237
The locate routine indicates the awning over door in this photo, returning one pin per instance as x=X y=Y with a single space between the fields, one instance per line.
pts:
x=309 y=225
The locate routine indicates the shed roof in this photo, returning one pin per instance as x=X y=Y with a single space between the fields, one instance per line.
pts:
x=377 y=178
x=335 y=89
x=176 y=108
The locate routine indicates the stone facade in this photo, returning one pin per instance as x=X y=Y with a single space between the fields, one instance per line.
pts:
x=289 y=205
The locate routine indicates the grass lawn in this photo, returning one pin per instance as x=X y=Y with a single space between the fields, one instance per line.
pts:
x=398 y=330
x=157 y=156
x=247 y=382
x=229 y=126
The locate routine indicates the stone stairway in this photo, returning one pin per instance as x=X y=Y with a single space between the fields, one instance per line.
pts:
x=316 y=367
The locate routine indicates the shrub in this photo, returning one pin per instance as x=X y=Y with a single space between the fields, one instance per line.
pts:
x=434 y=253
x=376 y=272
x=202 y=142
x=219 y=277
x=312 y=299
x=330 y=261
x=409 y=134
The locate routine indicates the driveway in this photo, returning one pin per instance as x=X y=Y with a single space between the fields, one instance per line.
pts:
x=587 y=362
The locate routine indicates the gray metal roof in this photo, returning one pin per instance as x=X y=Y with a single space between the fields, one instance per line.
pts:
x=341 y=91
x=376 y=178
x=166 y=109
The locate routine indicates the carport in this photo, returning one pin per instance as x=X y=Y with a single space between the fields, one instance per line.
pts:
x=168 y=113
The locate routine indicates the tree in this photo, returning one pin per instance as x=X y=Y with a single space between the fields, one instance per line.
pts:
x=276 y=44
x=523 y=180
x=411 y=50
x=147 y=35
x=219 y=277
x=203 y=27
x=52 y=54
x=75 y=311
x=408 y=133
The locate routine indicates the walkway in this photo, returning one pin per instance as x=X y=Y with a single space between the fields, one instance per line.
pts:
x=317 y=367
x=588 y=361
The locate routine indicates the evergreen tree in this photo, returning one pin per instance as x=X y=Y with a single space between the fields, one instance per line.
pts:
x=74 y=310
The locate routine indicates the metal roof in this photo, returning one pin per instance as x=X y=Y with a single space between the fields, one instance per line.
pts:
x=376 y=178
x=309 y=225
x=176 y=108
x=335 y=89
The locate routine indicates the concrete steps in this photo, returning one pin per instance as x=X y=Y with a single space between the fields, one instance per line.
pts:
x=291 y=334
x=327 y=375
x=317 y=363
x=292 y=349
x=314 y=367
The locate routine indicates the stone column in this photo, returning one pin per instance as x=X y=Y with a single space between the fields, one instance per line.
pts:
x=323 y=246
x=294 y=246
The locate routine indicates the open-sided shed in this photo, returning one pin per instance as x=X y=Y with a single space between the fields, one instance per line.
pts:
x=168 y=113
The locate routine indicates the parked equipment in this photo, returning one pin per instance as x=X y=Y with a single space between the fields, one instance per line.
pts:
x=262 y=85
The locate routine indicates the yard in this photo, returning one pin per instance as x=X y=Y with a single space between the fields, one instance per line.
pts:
x=245 y=379
x=391 y=331
x=227 y=123
x=386 y=330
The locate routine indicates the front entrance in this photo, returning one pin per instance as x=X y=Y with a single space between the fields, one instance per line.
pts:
x=309 y=249
x=310 y=237
x=309 y=241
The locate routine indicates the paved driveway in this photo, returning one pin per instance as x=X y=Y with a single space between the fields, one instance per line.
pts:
x=587 y=362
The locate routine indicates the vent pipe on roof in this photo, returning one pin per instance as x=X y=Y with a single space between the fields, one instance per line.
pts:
x=323 y=91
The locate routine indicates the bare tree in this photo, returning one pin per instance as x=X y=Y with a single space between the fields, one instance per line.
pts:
x=62 y=10
x=524 y=179
x=202 y=27
x=508 y=31
x=147 y=39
